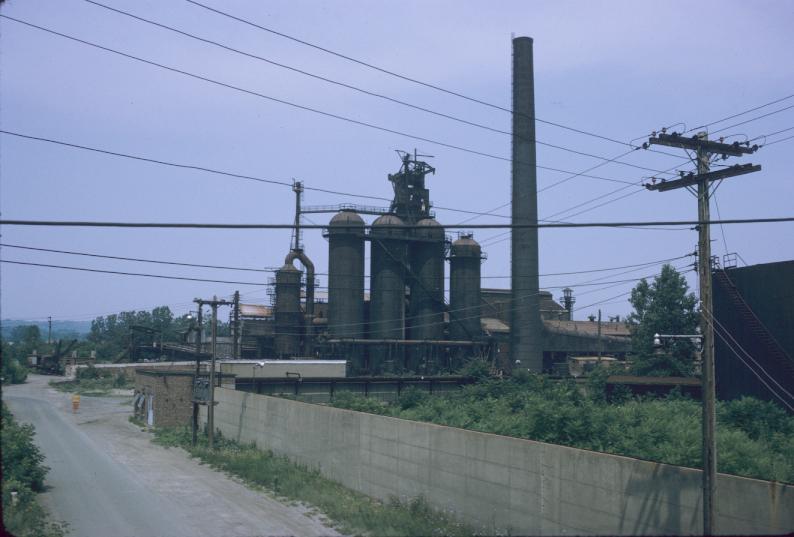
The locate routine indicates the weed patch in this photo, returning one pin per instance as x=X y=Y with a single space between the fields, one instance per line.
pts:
x=755 y=438
x=92 y=386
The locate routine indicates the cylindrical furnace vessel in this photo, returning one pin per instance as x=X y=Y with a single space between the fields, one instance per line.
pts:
x=426 y=312
x=465 y=257
x=288 y=312
x=346 y=279
x=387 y=290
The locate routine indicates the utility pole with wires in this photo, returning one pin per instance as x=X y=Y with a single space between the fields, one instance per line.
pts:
x=700 y=184
x=214 y=303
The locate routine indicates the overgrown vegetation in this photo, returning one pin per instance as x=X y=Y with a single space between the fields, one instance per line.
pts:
x=352 y=512
x=23 y=477
x=755 y=438
x=92 y=381
x=110 y=335
x=15 y=350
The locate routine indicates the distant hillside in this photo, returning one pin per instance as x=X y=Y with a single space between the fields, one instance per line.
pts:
x=60 y=329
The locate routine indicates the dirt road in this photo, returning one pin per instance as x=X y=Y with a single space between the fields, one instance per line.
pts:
x=108 y=479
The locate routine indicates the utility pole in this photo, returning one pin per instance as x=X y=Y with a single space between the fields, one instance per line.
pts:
x=49 y=330
x=236 y=327
x=705 y=149
x=214 y=303
x=600 y=344
x=199 y=332
x=211 y=408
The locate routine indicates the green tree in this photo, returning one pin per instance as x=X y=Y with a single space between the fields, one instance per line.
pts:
x=26 y=335
x=663 y=306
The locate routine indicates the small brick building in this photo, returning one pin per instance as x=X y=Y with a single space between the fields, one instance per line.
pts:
x=163 y=398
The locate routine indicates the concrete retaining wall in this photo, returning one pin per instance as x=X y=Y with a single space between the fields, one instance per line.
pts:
x=499 y=483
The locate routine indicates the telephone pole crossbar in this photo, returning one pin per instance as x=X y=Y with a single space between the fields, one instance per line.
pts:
x=697 y=142
x=693 y=179
x=705 y=149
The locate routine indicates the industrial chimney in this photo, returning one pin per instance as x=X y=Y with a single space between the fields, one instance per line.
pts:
x=525 y=324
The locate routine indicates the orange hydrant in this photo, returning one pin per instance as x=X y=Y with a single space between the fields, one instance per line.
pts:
x=75 y=403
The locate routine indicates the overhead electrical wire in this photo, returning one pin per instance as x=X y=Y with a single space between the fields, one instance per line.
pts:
x=273 y=269
x=278 y=100
x=129 y=273
x=186 y=225
x=407 y=78
x=770 y=103
x=336 y=82
x=606 y=285
x=710 y=320
x=778 y=141
x=259 y=179
x=471 y=308
x=555 y=184
x=753 y=119
x=718 y=326
x=103 y=256
x=189 y=74
x=771 y=134
x=185 y=166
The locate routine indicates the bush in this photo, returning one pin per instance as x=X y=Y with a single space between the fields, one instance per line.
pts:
x=88 y=373
x=755 y=438
x=22 y=459
x=412 y=397
x=13 y=372
x=23 y=476
x=476 y=368
x=351 y=401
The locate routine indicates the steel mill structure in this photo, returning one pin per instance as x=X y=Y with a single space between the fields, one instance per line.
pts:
x=405 y=325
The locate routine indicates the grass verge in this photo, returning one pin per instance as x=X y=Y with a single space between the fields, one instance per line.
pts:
x=350 y=511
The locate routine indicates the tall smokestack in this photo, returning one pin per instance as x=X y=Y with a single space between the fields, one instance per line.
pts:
x=525 y=324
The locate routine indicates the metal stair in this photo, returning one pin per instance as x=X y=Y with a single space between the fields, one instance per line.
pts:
x=767 y=342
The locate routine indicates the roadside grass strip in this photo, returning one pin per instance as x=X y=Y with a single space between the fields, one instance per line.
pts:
x=349 y=511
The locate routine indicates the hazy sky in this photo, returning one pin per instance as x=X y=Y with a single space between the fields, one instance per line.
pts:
x=618 y=69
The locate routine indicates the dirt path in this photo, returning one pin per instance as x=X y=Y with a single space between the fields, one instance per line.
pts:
x=108 y=479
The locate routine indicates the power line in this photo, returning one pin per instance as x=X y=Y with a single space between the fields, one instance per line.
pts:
x=668 y=170
x=778 y=141
x=752 y=370
x=283 y=101
x=175 y=263
x=742 y=113
x=502 y=206
x=129 y=273
x=336 y=82
x=611 y=284
x=270 y=270
x=185 y=225
x=754 y=119
x=770 y=134
x=404 y=77
x=260 y=179
x=184 y=166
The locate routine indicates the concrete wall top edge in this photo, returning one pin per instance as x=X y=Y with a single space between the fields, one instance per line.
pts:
x=780 y=486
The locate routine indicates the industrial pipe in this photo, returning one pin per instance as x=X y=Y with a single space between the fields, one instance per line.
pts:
x=309 y=266
x=444 y=342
